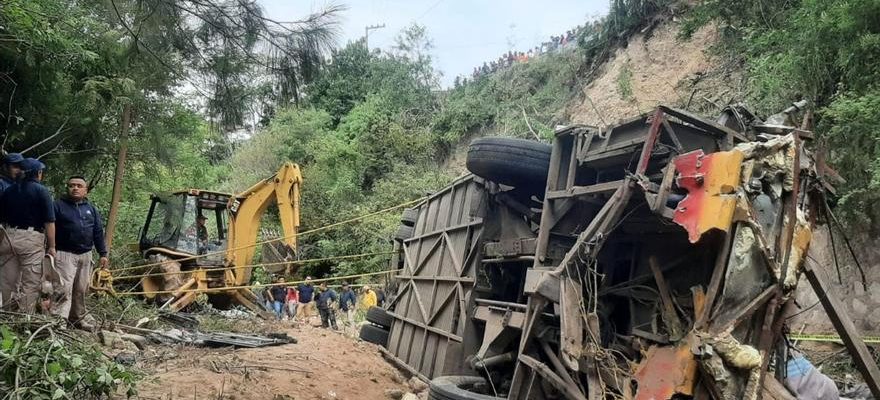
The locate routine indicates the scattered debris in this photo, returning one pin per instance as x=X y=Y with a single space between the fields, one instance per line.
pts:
x=210 y=339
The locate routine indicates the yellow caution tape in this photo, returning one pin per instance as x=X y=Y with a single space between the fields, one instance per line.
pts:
x=278 y=239
x=831 y=338
x=291 y=283
x=249 y=266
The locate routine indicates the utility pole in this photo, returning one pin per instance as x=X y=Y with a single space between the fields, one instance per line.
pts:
x=367 y=30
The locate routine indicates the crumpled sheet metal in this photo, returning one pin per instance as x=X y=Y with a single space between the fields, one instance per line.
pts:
x=666 y=371
x=711 y=181
x=776 y=157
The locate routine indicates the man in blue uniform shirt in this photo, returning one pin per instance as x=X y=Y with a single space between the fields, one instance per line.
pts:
x=27 y=216
x=78 y=230
x=10 y=170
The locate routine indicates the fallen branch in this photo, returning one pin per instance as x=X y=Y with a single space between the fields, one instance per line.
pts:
x=525 y=117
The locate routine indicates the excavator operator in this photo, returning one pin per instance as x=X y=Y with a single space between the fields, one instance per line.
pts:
x=200 y=232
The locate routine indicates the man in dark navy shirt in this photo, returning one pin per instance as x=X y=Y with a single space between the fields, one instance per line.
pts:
x=324 y=300
x=78 y=231
x=27 y=216
x=10 y=170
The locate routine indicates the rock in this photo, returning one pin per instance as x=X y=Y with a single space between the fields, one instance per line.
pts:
x=394 y=394
x=874 y=290
x=417 y=385
x=410 y=396
x=875 y=315
x=138 y=340
x=397 y=378
x=108 y=338
x=125 y=358
x=860 y=309
x=858 y=289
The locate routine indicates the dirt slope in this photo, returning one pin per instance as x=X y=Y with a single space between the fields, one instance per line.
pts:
x=657 y=67
x=338 y=367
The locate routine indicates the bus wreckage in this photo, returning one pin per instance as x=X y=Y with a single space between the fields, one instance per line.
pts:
x=653 y=259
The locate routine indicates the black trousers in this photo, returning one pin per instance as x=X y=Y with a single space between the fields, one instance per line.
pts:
x=328 y=317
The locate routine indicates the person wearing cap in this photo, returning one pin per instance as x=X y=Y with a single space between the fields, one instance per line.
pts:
x=10 y=170
x=27 y=215
x=78 y=230
x=306 y=307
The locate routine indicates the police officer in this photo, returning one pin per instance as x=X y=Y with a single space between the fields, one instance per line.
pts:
x=27 y=215
x=78 y=230
x=10 y=170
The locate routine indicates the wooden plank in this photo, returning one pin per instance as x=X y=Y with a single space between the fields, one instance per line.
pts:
x=845 y=328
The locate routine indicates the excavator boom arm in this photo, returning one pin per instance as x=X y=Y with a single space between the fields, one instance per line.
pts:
x=247 y=209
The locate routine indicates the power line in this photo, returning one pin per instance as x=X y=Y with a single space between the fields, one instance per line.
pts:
x=433 y=6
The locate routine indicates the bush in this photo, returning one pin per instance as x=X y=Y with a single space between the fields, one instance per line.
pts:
x=48 y=364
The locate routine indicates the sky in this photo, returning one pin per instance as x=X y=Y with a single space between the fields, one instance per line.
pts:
x=465 y=33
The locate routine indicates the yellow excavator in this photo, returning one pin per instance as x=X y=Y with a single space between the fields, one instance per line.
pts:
x=201 y=241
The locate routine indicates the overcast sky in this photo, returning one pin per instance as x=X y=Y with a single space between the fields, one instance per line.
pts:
x=465 y=33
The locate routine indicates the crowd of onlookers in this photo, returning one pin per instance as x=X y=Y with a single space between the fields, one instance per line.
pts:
x=555 y=43
x=301 y=302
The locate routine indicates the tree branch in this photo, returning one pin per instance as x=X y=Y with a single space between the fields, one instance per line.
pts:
x=57 y=132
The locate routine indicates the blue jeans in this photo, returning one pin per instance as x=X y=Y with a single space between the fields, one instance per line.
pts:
x=277 y=306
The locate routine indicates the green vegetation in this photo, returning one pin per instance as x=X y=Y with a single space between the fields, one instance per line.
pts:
x=823 y=51
x=40 y=360
x=624 y=82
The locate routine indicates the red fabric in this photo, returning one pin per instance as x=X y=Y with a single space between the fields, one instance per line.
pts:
x=292 y=295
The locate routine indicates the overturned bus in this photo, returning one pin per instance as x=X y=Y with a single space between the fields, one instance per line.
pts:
x=652 y=259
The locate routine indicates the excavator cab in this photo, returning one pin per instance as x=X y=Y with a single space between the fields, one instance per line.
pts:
x=187 y=223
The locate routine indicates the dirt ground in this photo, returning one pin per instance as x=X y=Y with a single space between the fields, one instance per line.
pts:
x=322 y=365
